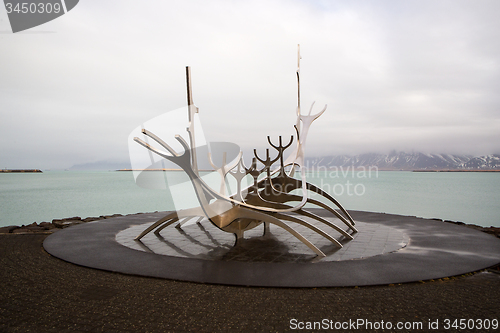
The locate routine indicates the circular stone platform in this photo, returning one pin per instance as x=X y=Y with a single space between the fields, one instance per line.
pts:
x=387 y=249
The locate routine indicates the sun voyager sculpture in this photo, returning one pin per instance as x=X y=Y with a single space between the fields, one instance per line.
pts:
x=267 y=200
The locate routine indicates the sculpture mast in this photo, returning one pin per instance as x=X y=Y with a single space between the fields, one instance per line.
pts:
x=297 y=125
x=298 y=87
x=192 y=109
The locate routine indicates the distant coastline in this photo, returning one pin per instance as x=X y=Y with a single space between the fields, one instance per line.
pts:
x=20 y=170
x=458 y=170
x=354 y=169
x=159 y=170
x=149 y=170
x=329 y=169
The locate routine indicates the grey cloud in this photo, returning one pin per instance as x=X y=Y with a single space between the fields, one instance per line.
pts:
x=413 y=75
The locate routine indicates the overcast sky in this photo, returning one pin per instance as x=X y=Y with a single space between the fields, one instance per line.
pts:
x=403 y=75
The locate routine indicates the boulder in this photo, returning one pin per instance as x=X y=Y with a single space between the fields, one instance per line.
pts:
x=32 y=228
x=65 y=223
x=493 y=230
x=47 y=225
x=74 y=218
x=90 y=219
x=110 y=216
x=8 y=229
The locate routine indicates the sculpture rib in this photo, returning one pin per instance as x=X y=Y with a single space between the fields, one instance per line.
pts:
x=308 y=225
x=276 y=205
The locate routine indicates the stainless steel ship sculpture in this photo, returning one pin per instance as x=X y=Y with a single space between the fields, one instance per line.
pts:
x=268 y=200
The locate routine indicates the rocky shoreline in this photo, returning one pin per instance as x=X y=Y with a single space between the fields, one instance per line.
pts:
x=20 y=170
x=56 y=224
x=49 y=227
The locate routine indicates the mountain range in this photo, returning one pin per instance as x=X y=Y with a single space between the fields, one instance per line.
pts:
x=392 y=161
x=408 y=161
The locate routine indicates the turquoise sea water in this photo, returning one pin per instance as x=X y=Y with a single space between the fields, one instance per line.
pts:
x=470 y=197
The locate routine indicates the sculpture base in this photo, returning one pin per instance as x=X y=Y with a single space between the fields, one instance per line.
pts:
x=388 y=249
x=205 y=241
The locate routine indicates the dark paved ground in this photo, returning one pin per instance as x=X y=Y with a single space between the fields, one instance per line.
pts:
x=40 y=293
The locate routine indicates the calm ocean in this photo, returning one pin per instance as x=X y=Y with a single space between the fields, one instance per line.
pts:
x=470 y=197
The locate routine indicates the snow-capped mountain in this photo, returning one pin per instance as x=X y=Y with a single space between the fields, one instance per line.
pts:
x=408 y=161
x=483 y=162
